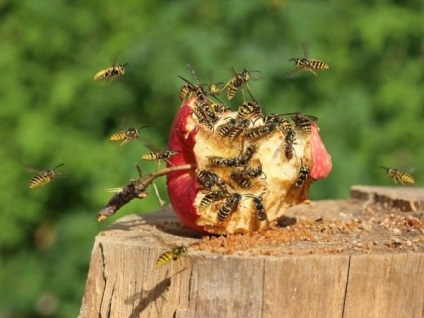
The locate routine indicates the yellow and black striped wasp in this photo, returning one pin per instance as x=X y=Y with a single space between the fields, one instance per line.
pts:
x=310 y=65
x=396 y=175
x=126 y=135
x=213 y=88
x=109 y=74
x=240 y=79
x=159 y=155
x=173 y=253
x=43 y=176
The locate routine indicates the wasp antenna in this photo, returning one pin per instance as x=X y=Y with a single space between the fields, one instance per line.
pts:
x=143 y=127
x=249 y=195
x=193 y=71
x=125 y=64
x=140 y=174
x=60 y=165
x=255 y=71
x=385 y=168
x=250 y=94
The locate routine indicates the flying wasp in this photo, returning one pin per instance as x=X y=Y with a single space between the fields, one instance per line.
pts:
x=230 y=205
x=213 y=88
x=400 y=176
x=173 y=254
x=110 y=73
x=303 y=63
x=43 y=176
x=160 y=155
x=126 y=135
x=237 y=82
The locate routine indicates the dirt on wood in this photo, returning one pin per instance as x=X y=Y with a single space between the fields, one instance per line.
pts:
x=328 y=227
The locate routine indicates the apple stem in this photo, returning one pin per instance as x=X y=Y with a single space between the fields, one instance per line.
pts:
x=135 y=189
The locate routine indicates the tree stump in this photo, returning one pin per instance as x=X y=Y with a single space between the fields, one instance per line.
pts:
x=362 y=257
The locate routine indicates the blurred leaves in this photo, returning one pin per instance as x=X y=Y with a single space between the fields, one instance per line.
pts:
x=369 y=104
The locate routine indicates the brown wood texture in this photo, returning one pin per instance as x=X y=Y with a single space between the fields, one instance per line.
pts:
x=350 y=258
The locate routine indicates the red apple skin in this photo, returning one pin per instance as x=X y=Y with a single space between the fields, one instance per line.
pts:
x=322 y=163
x=182 y=185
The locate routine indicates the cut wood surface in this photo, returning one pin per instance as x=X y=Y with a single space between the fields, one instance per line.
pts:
x=362 y=257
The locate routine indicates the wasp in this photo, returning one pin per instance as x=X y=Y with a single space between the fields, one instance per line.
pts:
x=212 y=197
x=242 y=160
x=238 y=129
x=110 y=73
x=205 y=115
x=238 y=81
x=260 y=131
x=248 y=153
x=224 y=129
x=400 y=176
x=215 y=88
x=249 y=109
x=302 y=122
x=207 y=179
x=306 y=64
x=172 y=255
x=160 y=155
x=126 y=135
x=278 y=121
x=189 y=88
x=272 y=118
x=229 y=206
x=220 y=108
x=185 y=90
x=303 y=174
x=43 y=176
x=259 y=207
x=288 y=143
x=198 y=88
x=224 y=162
x=247 y=172
x=242 y=176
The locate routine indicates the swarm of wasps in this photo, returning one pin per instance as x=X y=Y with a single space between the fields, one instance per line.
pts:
x=250 y=125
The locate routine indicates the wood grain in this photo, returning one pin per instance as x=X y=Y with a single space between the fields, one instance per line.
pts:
x=124 y=280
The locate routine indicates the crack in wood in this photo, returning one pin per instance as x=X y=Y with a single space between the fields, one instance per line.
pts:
x=346 y=286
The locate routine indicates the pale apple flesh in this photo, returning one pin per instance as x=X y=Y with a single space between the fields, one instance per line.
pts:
x=278 y=186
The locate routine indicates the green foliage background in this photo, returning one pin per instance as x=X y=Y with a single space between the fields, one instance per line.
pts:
x=369 y=104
